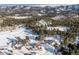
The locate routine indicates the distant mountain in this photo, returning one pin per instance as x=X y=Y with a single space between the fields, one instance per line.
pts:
x=49 y=9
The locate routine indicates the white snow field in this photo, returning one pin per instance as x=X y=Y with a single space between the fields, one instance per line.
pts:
x=21 y=32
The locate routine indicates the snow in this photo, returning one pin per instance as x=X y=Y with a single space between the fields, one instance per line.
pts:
x=5 y=36
x=8 y=38
x=54 y=39
x=77 y=40
x=50 y=49
x=19 y=17
x=59 y=17
x=32 y=41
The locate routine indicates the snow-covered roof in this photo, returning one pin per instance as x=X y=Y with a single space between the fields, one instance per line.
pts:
x=61 y=28
x=42 y=22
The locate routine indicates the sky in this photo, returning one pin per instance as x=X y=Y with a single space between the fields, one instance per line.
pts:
x=41 y=5
x=39 y=1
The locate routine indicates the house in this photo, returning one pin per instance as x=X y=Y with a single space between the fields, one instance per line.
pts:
x=60 y=28
x=41 y=23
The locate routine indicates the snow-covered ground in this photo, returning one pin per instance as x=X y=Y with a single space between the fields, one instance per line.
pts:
x=8 y=38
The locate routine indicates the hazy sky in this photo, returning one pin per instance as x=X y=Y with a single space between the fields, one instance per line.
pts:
x=41 y=5
x=39 y=1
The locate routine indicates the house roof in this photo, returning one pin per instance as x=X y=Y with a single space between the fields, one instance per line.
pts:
x=43 y=22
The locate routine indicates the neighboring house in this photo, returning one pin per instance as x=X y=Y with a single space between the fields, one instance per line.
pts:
x=60 y=28
x=41 y=23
